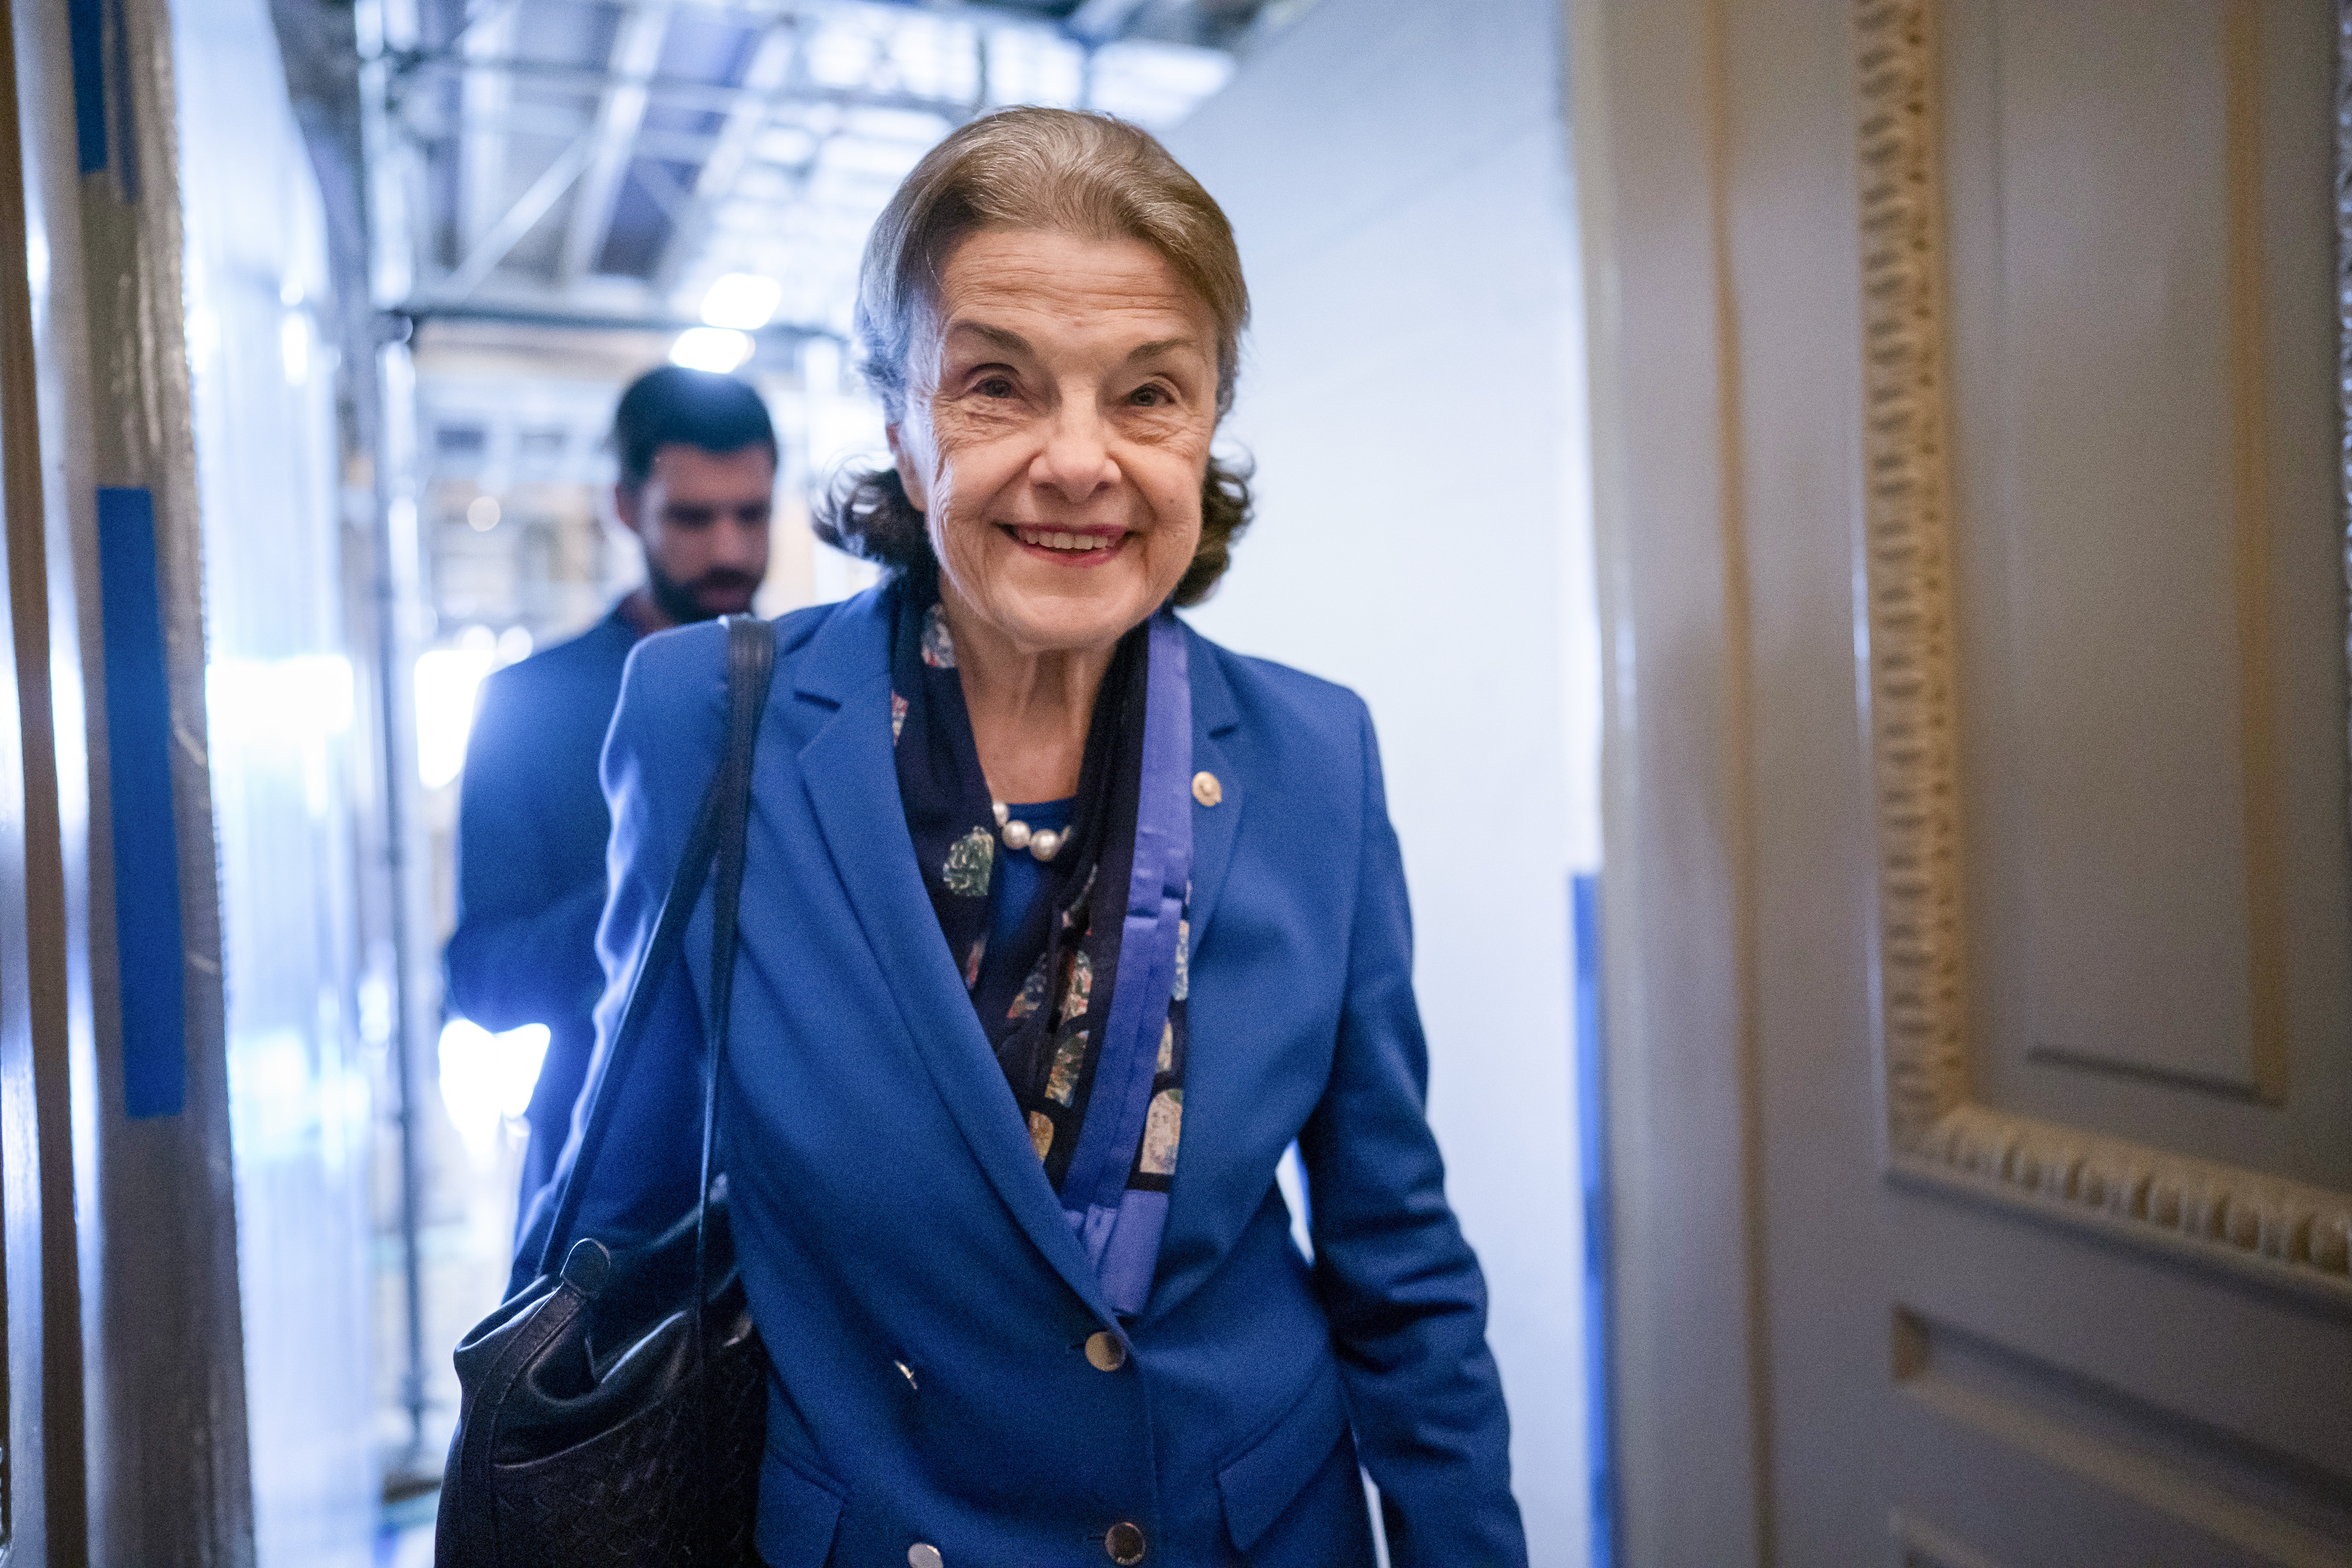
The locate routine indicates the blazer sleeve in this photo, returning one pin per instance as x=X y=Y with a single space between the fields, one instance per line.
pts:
x=658 y=757
x=510 y=960
x=1406 y=1301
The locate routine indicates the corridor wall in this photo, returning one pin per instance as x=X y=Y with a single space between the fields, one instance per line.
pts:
x=281 y=726
x=219 y=1116
x=182 y=1165
x=1398 y=176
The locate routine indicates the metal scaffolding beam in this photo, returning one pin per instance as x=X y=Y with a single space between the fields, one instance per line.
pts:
x=763 y=78
x=477 y=108
x=551 y=124
x=482 y=100
x=686 y=92
x=637 y=52
x=556 y=318
x=528 y=209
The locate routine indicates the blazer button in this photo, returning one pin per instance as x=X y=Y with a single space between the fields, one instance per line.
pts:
x=922 y=1555
x=1206 y=789
x=1105 y=1352
x=1125 y=1544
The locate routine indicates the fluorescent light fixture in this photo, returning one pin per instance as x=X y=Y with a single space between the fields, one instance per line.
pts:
x=487 y=1080
x=744 y=301
x=294 y=346
x=710 y=348
x=448 y=680
x=301 y=702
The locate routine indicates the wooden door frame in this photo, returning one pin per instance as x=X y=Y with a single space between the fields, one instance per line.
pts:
x=1692 y=1389
x=43 y=876
x=1688 y=1362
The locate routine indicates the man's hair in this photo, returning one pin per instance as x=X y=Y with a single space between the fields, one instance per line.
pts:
x=692 y=408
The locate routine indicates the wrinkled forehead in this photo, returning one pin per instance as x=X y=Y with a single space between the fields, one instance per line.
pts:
x=1022 y=290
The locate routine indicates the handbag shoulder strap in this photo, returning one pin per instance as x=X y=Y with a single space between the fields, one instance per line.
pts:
x=750 y=660
x=719 y=831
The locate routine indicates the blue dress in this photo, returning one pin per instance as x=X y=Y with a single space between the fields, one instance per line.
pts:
x=948 y=1372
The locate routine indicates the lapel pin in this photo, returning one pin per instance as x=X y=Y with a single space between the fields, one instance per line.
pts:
x=1206 y=789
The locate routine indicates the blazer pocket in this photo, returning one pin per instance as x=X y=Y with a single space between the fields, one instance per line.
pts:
x=800 y=1509
x=1257 y=1484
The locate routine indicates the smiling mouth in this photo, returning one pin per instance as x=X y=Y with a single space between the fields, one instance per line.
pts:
x=1079 y=546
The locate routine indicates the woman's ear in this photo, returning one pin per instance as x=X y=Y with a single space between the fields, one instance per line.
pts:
x=910 y=475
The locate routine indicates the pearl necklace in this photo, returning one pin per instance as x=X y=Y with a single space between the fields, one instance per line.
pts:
x=1043 y=844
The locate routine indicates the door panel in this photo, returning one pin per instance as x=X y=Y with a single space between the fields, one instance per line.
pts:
x=2151 y=1334
x=2092 y=352
x=2064 y=1499
x=2141 y=331
x=2125 y=834
x=2001 y=682
x=2104 y=574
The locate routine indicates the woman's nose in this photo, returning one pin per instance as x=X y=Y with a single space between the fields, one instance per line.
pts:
x=1075 y=461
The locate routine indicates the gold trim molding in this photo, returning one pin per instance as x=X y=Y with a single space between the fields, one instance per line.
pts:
x=2286 y=1232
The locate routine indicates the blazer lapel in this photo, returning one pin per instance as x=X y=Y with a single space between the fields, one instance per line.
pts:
x=853 y=786
x=1186 y=1252
x=1214 y=713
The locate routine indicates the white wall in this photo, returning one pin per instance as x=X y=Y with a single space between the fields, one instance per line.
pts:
x=1398 y=174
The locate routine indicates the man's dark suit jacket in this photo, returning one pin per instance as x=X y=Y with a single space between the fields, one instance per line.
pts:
x=532 y=831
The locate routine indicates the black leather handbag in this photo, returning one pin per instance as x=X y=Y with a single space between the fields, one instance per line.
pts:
x=613 y=1413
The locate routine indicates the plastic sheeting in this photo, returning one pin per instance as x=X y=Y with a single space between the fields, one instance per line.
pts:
x=280 y=702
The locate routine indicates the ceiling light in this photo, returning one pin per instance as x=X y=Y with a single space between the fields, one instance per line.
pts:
x=710 y=348
x=744 y=301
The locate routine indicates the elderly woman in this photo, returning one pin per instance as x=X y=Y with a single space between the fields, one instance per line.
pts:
x=1060 y=924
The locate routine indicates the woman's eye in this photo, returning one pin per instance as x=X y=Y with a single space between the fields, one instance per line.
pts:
x=994 y=386
x=1148 y=397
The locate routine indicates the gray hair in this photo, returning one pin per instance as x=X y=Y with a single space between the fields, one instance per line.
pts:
x=1054 y=169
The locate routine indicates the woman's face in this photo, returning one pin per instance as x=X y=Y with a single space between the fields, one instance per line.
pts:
x=1060 y=401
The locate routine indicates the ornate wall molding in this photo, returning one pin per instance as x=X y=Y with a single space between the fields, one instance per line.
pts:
x=2282 y=1232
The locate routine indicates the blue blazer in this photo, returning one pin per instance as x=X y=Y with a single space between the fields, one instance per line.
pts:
x=926 y=1308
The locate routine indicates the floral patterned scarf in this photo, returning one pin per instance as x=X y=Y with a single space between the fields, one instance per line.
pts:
x=1045 y=1002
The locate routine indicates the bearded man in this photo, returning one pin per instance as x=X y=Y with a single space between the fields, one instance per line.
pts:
x=697 y=474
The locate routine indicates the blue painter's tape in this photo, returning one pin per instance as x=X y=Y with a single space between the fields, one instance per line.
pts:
x=85 y=43
x=1592 y=1134
x=147 y=940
